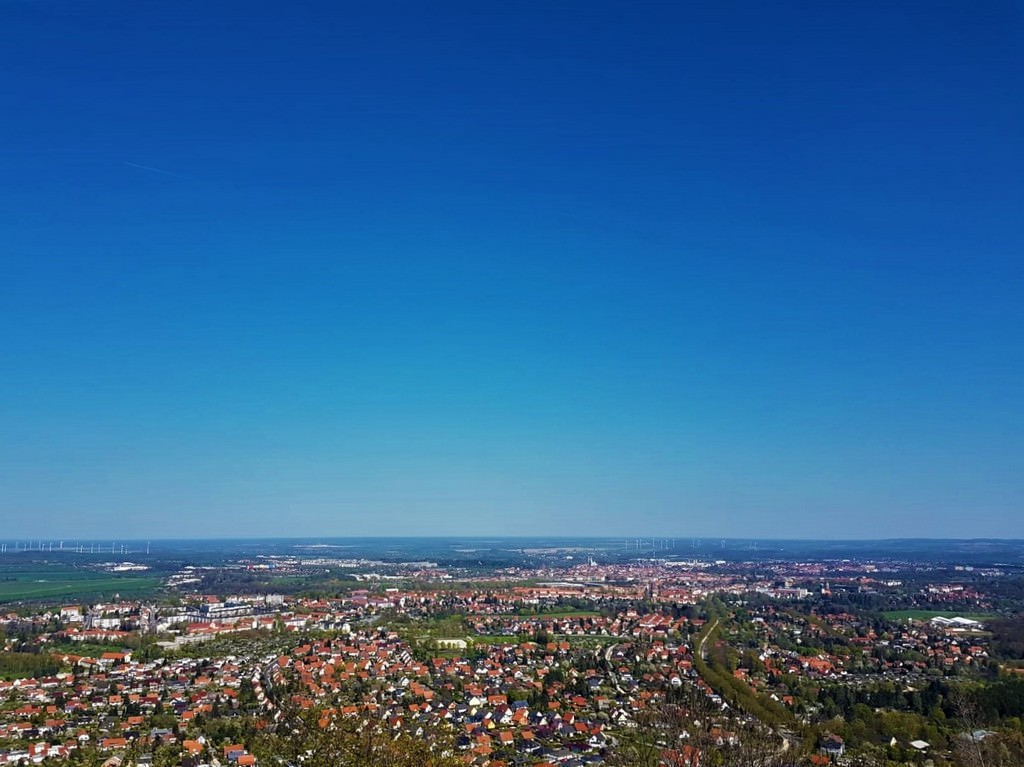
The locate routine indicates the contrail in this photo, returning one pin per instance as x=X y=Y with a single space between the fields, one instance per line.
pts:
x=151 y=169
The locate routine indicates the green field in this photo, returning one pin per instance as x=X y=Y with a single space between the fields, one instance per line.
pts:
x=497 y=639
x=918 y=615
x=27 y=586
x=558 y=612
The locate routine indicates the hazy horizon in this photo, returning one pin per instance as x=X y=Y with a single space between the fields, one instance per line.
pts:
x=683 y=543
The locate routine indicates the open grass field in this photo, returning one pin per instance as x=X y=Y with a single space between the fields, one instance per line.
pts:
x=558 y=612
x=496 y=639
x=923 y=615
x=45 y=584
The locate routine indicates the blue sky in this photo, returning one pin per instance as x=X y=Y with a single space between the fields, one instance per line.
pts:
x=711 y=268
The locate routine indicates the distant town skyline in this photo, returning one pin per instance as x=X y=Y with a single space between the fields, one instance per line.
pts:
x=679 y=546
x=703 y=269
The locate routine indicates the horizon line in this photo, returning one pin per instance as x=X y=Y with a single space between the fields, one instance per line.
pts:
x=155 y=539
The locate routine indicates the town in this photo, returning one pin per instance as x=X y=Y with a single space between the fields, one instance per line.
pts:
x=572 y=661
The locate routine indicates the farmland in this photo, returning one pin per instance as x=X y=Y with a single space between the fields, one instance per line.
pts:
x=31 y=584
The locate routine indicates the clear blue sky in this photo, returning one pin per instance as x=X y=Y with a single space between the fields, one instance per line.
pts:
x=682 y=268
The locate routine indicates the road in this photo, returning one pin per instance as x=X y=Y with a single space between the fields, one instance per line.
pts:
x=700 y=649
x=611 y=674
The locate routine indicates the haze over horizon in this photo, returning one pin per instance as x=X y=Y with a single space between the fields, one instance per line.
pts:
x=713 y=269
x=683 y=545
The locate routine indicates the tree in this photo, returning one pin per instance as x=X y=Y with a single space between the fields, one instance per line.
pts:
x=978 y=747
x=999 y=749
x=317 y=737
x=685 y=735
